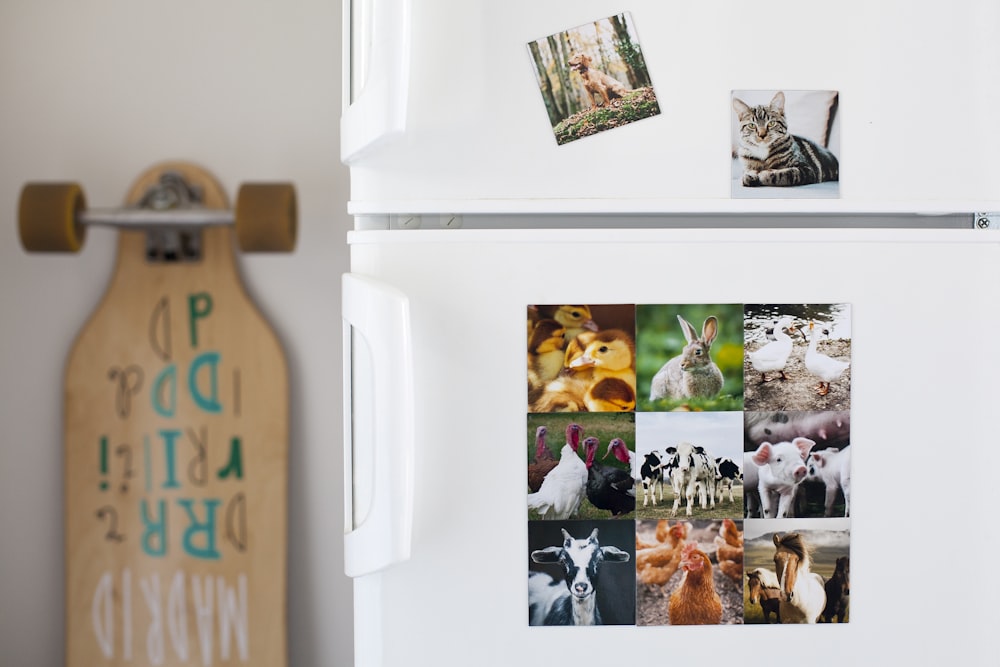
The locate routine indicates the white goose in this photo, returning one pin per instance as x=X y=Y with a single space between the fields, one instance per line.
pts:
x=774 y=355
x=827 y=369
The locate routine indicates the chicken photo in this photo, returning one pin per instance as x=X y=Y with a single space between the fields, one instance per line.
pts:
x=695 y=601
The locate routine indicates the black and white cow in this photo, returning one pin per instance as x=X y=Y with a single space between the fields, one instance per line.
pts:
x=651 y=474
x=691 y=470
x=727 y=471
x=572 y=601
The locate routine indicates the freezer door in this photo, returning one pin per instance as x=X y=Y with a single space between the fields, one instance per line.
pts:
x=457 y=103
x=924 y=422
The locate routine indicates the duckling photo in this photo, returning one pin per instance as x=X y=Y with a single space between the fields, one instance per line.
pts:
x=798 y=357
x=689 y=357
x=581 y=358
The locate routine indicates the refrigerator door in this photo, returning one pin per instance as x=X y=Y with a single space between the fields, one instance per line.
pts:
x=445 y=114
x=924 y=398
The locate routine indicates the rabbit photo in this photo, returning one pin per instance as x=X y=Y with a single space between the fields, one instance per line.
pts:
x=692 y=373
x=679 y=368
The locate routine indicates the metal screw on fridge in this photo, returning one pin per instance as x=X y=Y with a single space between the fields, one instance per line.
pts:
x=406 y=221
x=987 y=220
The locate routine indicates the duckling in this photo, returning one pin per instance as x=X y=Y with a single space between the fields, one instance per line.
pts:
x=575 y=348
x=610 y=395
x=564 y=394
x=576 y=319
x=774 y=355
x=545 y=352
x=609 y=355
x=827 y=369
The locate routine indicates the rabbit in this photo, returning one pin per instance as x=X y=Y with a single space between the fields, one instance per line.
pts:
x=692 y=373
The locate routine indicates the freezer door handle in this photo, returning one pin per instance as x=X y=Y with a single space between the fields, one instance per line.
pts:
x=378 y=426
x=376 y=74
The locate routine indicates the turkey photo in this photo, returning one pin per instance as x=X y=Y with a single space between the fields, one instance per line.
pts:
x=798 y=357
x=580 y=466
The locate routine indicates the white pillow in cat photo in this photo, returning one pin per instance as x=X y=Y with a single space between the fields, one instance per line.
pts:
x=785 y=144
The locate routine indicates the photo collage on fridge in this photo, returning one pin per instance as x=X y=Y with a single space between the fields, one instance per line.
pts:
x=688 y=464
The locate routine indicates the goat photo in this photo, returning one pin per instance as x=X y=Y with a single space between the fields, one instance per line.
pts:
x=581 y=573
x=593 y=78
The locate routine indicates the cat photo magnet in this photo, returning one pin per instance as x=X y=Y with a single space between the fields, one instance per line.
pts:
x=785 y=144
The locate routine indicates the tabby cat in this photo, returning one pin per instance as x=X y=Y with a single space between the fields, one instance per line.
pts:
x=772 y=156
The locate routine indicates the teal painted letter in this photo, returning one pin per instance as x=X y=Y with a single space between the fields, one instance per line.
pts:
x=207 y=549
x=208 y=403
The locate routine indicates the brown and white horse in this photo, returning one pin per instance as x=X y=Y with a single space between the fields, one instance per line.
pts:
x=802 y=594
x=765 y=591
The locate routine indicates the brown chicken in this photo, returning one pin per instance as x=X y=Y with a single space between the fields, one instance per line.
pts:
x=695 y=601
x=731 y=534
x=730 y=550
x=672 y=535
x=654 y=565
x=658 y=569
x=643 y=544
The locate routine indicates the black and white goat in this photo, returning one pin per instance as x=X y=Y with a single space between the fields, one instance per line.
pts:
x=572 y=601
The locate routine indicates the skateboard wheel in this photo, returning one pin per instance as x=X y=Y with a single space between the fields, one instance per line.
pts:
x=266 y=217
x=48 y=217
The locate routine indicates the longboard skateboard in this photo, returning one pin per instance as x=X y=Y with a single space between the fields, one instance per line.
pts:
x=175 y=429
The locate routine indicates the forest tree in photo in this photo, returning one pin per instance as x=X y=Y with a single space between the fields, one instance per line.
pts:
x=593 y=78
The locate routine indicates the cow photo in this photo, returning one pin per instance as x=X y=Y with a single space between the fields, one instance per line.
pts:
x=689 y=465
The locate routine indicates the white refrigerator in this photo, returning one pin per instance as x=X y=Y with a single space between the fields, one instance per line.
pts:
x=494 y=181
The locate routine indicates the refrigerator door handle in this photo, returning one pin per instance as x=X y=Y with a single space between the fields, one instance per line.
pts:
x=378 y=426
x=376 y=74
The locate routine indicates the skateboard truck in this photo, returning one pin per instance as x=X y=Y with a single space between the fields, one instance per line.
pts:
x=53 y=217
x=182 y=243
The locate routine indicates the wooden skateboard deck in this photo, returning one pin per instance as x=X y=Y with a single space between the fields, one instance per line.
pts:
x=176 y=442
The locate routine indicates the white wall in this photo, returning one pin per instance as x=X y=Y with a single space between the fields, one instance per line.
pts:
x=95 y=91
